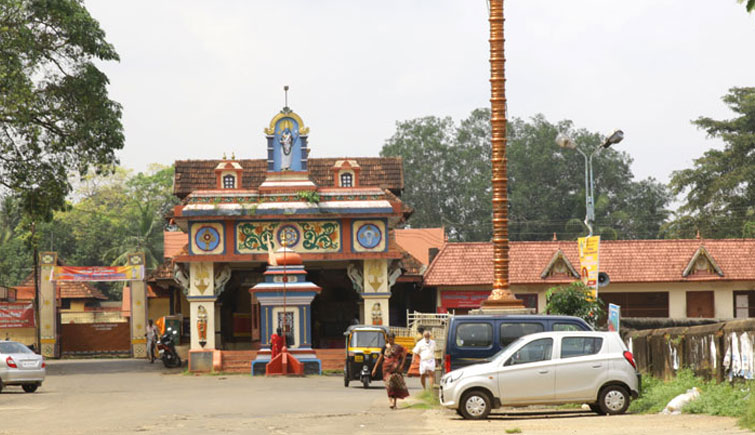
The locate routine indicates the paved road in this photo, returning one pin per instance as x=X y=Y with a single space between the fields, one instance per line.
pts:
x=127 y=396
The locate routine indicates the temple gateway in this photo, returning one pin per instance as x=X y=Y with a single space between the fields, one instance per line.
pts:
x=335 y=215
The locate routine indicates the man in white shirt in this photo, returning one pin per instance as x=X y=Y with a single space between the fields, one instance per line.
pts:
x=425 y=350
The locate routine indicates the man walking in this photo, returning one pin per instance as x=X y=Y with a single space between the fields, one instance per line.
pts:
x=151 y=340
x=425 y=350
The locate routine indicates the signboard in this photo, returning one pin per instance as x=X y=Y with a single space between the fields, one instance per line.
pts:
x=97 y=273
x=588 y=261
x=462 y=298
x=614 y=313
x=15 y=315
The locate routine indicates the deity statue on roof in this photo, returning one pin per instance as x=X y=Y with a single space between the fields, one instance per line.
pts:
x=287 y=146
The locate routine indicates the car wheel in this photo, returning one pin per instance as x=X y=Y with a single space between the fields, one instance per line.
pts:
x=595 y=408
x=458 y=411
x=346 y=375
x=475 y=405
x=30 y=388
x=613 y=400
x=1 y=386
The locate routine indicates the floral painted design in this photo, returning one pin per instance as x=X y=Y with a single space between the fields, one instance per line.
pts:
x=320 y=235
x=253 y=236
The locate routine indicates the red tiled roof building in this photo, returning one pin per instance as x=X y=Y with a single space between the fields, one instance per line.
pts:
x=648 y=278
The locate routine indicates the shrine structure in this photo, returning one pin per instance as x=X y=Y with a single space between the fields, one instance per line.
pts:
x=337 y=215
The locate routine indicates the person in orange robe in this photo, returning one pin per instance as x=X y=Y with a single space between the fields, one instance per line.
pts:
x=276 y=343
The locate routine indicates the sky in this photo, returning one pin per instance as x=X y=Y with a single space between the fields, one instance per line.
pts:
x=198 y=79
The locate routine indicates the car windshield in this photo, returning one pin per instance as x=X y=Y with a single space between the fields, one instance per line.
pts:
x=367 y=339
x=13 y=347
x=504 y=349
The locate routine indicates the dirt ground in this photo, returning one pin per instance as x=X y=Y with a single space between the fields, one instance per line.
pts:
x=130 y=396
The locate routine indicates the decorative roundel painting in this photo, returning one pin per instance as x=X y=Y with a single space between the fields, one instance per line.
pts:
x=369 y=236
x=289 y=234
x=207 y=238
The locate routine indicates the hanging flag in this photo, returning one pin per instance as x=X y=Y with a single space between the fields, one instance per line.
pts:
x=588 y=261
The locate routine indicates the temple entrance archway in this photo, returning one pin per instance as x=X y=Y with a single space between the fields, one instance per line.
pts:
x=51 y=272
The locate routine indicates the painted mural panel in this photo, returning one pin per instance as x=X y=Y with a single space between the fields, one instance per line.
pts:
x=301 y=236
x=207 y=238
x=369 y=236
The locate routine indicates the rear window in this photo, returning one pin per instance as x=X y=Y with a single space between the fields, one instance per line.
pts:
x=580 y=346
x=12 y=347
x=512 y=331
x=566 y=327
x=474 y=335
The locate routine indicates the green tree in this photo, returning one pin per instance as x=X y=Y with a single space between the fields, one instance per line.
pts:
x=55 y=114
x=448 y=176
x=719 y=190
x=576 y=300
x=423 y=144
x=108 y=216
x=749 y=4
x=151 y=200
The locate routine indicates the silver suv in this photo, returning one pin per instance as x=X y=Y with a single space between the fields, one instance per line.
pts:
x=547 y=368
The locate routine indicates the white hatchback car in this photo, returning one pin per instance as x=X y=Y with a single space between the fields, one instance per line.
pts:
x=547 y=368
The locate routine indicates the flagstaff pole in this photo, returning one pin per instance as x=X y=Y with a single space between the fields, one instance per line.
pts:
x=500 y=296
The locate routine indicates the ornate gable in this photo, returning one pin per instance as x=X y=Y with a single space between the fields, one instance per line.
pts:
x=702 y=263
x=559 y=267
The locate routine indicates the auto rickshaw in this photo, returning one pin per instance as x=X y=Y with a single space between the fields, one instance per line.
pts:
x=363 y=346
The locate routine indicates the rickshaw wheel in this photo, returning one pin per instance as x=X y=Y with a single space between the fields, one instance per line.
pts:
x=346 y=375
x=366 y=381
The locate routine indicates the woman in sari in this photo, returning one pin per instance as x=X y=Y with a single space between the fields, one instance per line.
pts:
x=392 y=357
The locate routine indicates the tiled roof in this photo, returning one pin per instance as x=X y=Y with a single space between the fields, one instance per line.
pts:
x=418 y=241
x=173 y=243
x=625 y=261
x=163 y=271
x=384 y=172
x=71 y=289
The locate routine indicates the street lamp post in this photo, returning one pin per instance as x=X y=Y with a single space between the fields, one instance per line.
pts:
x=564 y=141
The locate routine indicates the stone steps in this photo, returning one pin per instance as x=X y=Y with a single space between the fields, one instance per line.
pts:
x=240 y=361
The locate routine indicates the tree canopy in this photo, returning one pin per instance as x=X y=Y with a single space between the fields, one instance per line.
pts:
x=55 y=114
x=719 y=190
x=109 y=216
x=448 y=177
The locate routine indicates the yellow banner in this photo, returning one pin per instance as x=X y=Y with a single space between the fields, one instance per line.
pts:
x=588 y=261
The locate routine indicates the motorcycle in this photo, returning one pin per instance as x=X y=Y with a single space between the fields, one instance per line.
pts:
x=166 y=350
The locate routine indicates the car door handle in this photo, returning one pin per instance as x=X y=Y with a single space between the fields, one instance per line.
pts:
x=597 y=366
x=542 y=372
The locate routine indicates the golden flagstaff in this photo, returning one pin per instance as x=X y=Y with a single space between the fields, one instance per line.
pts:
x=500 y=296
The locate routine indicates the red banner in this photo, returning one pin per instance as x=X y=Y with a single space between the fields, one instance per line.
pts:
x=97 y=273
x=462 y=298
x=16 y=315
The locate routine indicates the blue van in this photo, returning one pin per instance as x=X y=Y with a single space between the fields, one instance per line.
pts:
x=473 y=338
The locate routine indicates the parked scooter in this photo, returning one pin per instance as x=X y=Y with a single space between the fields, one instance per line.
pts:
x=166 y=349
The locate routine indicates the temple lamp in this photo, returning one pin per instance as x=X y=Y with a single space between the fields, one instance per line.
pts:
x=564 y=141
